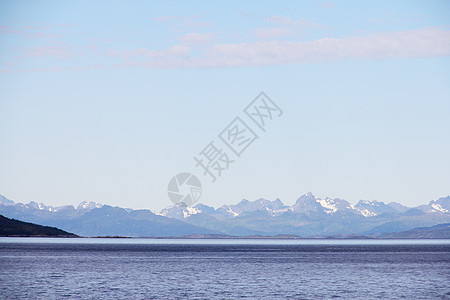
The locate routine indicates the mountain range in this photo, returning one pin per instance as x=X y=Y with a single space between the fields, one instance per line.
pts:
x=309 y=216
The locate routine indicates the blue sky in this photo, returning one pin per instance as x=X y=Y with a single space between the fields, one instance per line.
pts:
x=107 y=100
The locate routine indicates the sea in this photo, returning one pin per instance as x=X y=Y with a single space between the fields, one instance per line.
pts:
x=107 y=268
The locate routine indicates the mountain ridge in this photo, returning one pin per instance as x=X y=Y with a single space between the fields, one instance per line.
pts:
x=308 y=216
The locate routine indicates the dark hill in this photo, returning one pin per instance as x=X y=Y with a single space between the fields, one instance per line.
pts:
x=12 y=227
x=440 y=231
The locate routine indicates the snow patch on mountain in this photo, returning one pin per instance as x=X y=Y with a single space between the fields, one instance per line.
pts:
x=328 y=204
x=189 y=211
x=84 y=206
x=231 y=211
x=89 y=205
x=437 y=207
x=179 y=211
x=366 y=213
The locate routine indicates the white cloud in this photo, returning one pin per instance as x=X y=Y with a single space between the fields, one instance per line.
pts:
x=287 y=21
x=175 y=51
x=181 y=23
x=195 y=38
x=54 y=51
x=196 y=52
x=431 y=42
x=270 y=33
x=327 y=5
x=36 y=30
x=285 y=26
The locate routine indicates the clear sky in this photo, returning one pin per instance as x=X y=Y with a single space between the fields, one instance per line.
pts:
x=107 y=100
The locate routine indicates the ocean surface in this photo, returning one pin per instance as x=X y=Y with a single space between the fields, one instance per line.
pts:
x=39 y=268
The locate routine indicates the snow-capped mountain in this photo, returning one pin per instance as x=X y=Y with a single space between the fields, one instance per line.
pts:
x=309 y=203
x=374 y=208
x=365 y=208
x=89 y=205
x=94 y=219
x=179 y=211
x=275 y=207
x=309 y=215
x=40 y=209
x=182 y=211
x=306 y=204
x=441 y=205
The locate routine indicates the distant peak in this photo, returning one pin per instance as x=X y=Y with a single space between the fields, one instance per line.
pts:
x=307 y=197
x=5 y=201
x=278 y=201
x=89 y=205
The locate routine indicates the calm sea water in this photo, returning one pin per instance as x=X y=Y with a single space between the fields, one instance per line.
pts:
x=223 y=269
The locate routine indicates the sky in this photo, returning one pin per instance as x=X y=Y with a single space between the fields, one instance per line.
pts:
x=107 y=101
